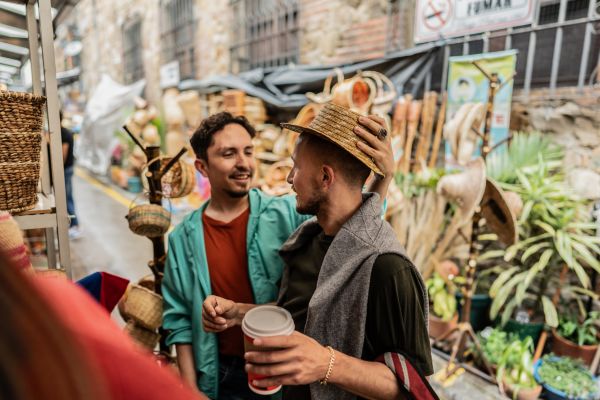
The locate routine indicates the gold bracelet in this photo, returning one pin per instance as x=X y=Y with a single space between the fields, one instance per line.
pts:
x=330 y=368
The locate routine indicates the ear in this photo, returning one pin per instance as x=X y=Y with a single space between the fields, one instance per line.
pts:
x=327 y=176
x=201 y=166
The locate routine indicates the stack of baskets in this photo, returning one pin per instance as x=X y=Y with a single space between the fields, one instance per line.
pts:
x=21 y=117
x=141 y=308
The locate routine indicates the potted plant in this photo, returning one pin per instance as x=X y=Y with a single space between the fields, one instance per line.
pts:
x=554 y=231
x=493 y=343
x=515 y=370
x=565 y=378
x=577 y=340
x=443 y=317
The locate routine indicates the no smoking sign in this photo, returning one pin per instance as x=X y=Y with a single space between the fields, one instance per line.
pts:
x=436 y=14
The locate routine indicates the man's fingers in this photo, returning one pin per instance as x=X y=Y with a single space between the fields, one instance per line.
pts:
x=213 y=326
x=366 y=149
x=272 y=369
x=282 y=342
x=208 y=308
x=269 y=357
x=373 y=123
x=368 y=137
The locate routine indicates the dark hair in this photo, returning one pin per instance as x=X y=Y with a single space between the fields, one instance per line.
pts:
x=203 y=137
x=353 y=170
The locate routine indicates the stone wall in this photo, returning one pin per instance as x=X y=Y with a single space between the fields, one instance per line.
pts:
x=331 y=32
x=341 y=31
x=572 y=119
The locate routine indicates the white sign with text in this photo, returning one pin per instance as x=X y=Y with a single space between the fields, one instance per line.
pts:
x=437 y=19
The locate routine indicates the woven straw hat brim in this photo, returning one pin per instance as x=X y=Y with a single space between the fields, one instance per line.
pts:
x=336 y=124
x=498 y=215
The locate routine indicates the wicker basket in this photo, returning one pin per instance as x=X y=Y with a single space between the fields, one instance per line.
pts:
x=20 y=146
x=142 y=306
x=142 y=336
x=178 y=182
x=150 y=220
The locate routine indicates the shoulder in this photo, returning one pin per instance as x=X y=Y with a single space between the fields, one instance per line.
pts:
x=394 y=270
x=182 y=229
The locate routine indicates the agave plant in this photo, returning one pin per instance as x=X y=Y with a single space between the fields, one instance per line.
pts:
x=523 y=152
x=554 y=230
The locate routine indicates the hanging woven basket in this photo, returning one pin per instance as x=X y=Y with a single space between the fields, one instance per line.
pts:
x=178 y=182
x=20 y=146
x=150 y=220
x=142 y=306
x=142 y=336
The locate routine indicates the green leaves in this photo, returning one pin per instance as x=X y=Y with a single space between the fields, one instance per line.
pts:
x=550 y=313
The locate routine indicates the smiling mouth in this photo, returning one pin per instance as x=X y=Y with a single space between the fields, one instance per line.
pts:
x=241 y=177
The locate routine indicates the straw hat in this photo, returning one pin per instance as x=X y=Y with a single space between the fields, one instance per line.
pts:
x=466 y=139
x=451 y=129
x=498 y=214
x=336 y=124
x=465 y=188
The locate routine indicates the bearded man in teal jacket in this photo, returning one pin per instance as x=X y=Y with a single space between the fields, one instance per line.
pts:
x=229 y=248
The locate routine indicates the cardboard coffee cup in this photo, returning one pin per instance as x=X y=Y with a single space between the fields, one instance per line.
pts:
x=265 y=321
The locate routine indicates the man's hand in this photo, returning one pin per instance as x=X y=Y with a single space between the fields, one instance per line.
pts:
x=219 y=314
x=379 y=145
x=298 y=360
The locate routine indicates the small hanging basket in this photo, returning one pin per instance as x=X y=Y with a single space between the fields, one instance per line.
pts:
x=178 y=182
x=150 y=220
x=142 y=336
x=142 y=306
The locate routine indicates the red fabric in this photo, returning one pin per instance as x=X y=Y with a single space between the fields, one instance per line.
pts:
x=113 y=288
x=127 y=370
x=414 y=385
x=225 y=244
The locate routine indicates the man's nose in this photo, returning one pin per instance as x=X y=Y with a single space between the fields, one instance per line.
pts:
x=243 y=161
x=290 y=177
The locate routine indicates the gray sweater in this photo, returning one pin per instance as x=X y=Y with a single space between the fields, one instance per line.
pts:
x=337 y=311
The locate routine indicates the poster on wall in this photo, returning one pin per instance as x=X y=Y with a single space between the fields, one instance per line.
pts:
x=467 y=86
x=439 y=19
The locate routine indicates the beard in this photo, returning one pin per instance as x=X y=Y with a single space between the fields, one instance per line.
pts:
x=236 y=194
x=310 y=207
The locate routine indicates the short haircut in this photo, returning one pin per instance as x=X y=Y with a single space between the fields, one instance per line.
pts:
x=353 y=171
x=203 y=136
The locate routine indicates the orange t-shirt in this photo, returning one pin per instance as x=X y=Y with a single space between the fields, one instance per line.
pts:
x=225 y=244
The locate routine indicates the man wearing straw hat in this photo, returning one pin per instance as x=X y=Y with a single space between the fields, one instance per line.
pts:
x=359 y=304
x=229 y=248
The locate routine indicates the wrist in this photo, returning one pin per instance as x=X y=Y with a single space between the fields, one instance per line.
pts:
x=329 y=364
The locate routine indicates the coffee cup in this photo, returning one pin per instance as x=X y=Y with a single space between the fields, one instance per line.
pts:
x=265 y=321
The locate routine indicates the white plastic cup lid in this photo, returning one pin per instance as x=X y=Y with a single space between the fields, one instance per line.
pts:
x=263 y=321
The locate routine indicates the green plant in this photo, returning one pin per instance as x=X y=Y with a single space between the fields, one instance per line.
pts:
x=442 y=297
x=554 y=230
x=567 y=375
x=584 y=333
x=515 y=366
x=523 y=152
x=493 y=343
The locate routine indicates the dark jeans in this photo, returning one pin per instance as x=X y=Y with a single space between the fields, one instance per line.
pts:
x=233 y=381
x=69 y=191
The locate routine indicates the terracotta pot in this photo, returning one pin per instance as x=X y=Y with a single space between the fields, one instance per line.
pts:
x=437 y=327
x=523 y=394
x=564 y=347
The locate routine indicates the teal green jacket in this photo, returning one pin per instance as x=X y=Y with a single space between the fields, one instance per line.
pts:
x=186 y=281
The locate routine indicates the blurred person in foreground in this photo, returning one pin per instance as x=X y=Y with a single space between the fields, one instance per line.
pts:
x=229 y=248
x=56 y=342
x=359 y=304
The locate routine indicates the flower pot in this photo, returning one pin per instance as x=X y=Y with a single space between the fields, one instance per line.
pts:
x=551 y=393
x=523 y=393
x=523 y=330
x=480 y=310
x=564 y=347
x=439 y=327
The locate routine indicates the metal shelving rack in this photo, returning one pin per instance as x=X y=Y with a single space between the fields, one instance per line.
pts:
x=51 y=211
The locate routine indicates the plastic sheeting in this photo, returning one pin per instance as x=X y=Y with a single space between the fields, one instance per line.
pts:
x=104 y=113
x=285 y=87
